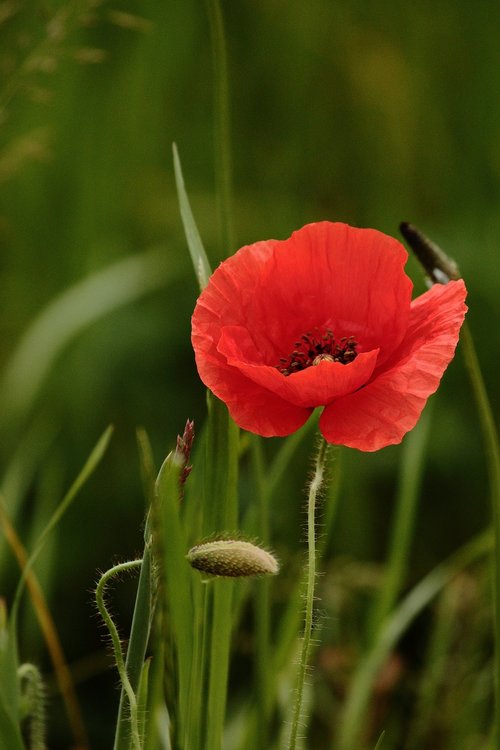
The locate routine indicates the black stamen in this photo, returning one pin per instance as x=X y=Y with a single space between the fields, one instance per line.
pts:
x=315 y=347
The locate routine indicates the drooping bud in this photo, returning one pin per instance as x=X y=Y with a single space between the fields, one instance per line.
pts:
x=232 y=558
x=439 y=268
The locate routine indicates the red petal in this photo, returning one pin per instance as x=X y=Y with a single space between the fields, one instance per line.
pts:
x=252 y=407
x=332 y=275
x=382 y=412
x=314 y=386
x=325 y=275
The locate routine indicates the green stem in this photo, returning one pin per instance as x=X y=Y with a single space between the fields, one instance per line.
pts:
x=490 y=438
x=221 y=504
x=117 y=649
x=314 y=489
x=262 y=607
x=223 y=170
x=196 y=692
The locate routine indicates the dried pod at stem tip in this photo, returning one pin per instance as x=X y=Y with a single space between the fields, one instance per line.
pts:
x=435 y=262
x=232 y=558
x=180 y=456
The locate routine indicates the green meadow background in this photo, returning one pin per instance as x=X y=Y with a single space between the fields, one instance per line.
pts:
x=363 y=112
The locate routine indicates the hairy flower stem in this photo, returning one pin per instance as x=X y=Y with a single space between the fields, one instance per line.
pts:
x=117 y=649
x=314 y=490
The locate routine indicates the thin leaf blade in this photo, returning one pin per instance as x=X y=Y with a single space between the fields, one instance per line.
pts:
x=197 y=251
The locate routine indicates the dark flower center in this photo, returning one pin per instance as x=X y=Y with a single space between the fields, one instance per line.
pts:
x=314 y=347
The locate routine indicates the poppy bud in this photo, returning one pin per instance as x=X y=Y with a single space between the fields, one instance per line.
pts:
x=435 y=262
x=232 y=558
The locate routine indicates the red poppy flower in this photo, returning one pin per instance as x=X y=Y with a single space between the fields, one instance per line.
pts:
x=325 y=318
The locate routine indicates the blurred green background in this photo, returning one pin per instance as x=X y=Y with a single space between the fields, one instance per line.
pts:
x=368 y=113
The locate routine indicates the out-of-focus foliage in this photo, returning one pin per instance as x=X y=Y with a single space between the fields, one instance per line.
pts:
x=369 y=113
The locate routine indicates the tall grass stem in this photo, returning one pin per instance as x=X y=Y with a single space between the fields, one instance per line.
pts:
x=223 y=168
x=490 y=437
x=221 y=515
x=262 y=605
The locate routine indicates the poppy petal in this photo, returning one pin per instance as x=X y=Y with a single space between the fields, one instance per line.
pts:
x=382 y=412
x=314 y=386
x=258 y=410
x=330 y=275
x=326 y=275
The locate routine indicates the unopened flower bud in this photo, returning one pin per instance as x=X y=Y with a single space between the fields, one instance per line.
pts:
x=437 y=265
x=232 y=558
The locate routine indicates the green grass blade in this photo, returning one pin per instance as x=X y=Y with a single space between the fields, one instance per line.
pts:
x=136 y=652
x=10 y=736
x=9 y=663
x=197 y=251
x=220 y=643
x=221 y=515
x=394 y=627
x=89 y=467
x=262 y=604
x=64 y=319
x=143 y=609
x=157 y=718
x=223 y=168
x=148 y=475
x=490 y=438
x=276 y=473
x=176 y=582
x=410 y=480
x=142 y=698
x=380 y=741
x=447 y=621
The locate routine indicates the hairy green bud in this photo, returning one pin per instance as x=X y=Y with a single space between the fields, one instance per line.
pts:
x=232 y=558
